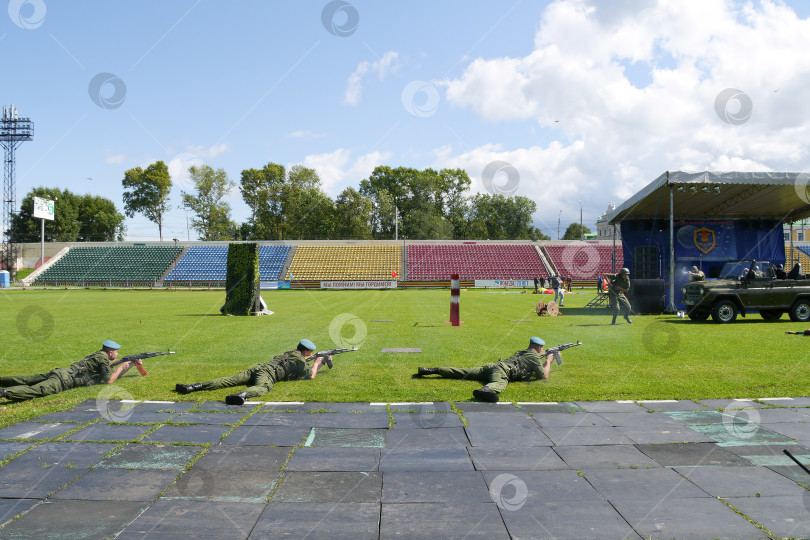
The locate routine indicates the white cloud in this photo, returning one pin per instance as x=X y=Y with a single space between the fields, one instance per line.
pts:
x=193 y=156
x=119 y=158
x=619 y=128
x=382 y=66
x=304 y=134
x=337 y=171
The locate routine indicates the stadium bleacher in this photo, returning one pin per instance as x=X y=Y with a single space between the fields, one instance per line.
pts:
x=474 y=261
x=369 y=262
x=113 y=264
x=584 y=260
x=800 y=254
x=209 y=263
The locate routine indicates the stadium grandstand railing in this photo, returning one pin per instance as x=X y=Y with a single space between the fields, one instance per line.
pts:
x=119 y=265
x=326 y=263
x=474 y=261
x=584 y=260
x=207 y=264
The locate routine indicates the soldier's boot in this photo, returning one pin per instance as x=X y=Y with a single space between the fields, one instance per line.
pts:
x=614 y=319
x=188 y=388
x=3 y=392
x=627 y=318
x=486 y=394
x=236 y=399
x=427 y=371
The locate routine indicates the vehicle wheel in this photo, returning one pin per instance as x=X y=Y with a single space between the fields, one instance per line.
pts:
x=724 y=311
x=771 y=314
x=800 y=312
x=699 y=315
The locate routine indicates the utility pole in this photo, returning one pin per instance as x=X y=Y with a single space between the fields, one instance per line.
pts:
x=558 y=224
x=581 y=234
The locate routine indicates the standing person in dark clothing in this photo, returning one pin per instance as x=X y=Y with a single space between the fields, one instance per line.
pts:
x=618 y=285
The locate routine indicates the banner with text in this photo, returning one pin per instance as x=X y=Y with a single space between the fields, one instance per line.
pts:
x=359 y=284
x=273 y=285
x=516 y=283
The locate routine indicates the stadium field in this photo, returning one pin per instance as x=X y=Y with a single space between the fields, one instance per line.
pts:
x=657 y=357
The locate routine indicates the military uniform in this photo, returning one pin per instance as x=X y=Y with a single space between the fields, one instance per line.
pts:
x=521 y=366
x=90 y=370
x=617 y=298
x=288 y=366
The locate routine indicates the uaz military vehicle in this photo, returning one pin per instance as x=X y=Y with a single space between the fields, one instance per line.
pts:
x=749 y=285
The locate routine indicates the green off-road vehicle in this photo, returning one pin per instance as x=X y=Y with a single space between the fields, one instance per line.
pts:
x=748 y=285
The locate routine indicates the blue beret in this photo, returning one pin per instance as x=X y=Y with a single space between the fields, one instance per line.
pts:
x=110 y=344
x=537 y=341
x=308 y=344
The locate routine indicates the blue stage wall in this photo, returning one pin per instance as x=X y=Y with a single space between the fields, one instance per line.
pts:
x=706 y=244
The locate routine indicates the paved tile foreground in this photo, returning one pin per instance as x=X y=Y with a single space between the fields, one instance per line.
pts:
x=672 y=469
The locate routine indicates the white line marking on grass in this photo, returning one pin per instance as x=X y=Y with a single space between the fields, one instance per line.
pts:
x=161 y=402
x=776 y=399
x=658 y=401
x=311 y=437
x=407 y=403
x=268 y=403
x=625 y=401
x=538 y=402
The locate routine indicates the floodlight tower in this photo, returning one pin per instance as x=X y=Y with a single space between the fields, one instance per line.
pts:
x=13 y=132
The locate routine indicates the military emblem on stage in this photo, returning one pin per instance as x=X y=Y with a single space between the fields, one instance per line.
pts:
x=704 y=239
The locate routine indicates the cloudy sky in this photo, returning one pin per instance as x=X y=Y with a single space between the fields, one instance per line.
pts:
x=570 y=103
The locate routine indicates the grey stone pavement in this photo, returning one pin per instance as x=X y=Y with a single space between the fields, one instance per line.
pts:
x=611 y=469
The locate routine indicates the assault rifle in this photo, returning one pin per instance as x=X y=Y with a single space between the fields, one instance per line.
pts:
x=326 y=354
x=558 y=349
x=140 y=356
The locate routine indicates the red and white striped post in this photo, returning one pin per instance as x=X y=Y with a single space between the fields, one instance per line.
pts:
x=454 y=295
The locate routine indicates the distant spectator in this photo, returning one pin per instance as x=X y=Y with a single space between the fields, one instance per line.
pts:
x=599 y=284
x=568 y=282
x=559 y=290
x=779 y=271
x=536 y=285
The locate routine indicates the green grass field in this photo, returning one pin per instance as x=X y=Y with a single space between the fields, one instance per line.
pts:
x=657 y=357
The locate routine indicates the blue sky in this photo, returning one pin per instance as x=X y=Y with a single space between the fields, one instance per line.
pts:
x=587 y=100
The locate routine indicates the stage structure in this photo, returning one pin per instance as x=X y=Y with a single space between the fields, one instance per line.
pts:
x=685 y=219
x=13 y=132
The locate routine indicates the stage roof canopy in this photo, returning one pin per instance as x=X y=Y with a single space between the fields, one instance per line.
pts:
x=781 y=196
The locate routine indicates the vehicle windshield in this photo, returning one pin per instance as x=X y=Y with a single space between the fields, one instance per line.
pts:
x=739 y=269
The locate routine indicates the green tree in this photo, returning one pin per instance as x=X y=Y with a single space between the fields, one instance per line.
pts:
x=262 y=191
x=212 y=216
x=505 y=218
x=147 y=192
x=353 y=215
x=574 y=232
x=99 y=220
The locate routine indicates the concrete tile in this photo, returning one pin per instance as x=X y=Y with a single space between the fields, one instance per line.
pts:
x=741 y=481
x=202 y=484
x=9 y=448
x=773 y=416
x=648 y=485
x=427 y=438
x=785 y=516
x=570 y=420
x=335 y=521
x=35 y=431
x=139 y=417
x=429 y=407
x=118 y=485
x=798 y=431
x=664 y=434
x=192 y=433
x=354 y=420
x=490 y=419
x=510 y=489
x=221 y=406
x=12 y=507
x=537 y=458
x=164 y=407
x=73 y=519
x=524 y=434
x=323 y=407
x=697 y=518
x=446 y=521
x=79 y=417
x=347 y=438
x=578 y=436
x=434 y=486
x=244 y=458
x=560 y=520
x=609 y=406
x=168 y=518
x=427 y=420
x=604 y=457
x=108 y=432
x=151 y=456
x=692 y=455
x=214 y=418
x=669 y=406
x=638 y=419
x=565 y=407
x=692 y=418
x=66 y=454
x=441 y=459
x=732 y=404
x=267 y=435
x=32 y=481
x=477 y=406
x=334 y=459
x=329 y=487
x=736 y=432
x=261 y=418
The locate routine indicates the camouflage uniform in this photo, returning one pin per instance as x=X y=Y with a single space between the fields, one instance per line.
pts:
x=617 y=298
x=90 y=370
x=288 y=366
x=496 y=375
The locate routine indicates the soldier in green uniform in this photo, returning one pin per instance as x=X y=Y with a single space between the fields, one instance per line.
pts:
x=287 y=366
x=521 y=366
x=618 y=284
x=90 y=370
